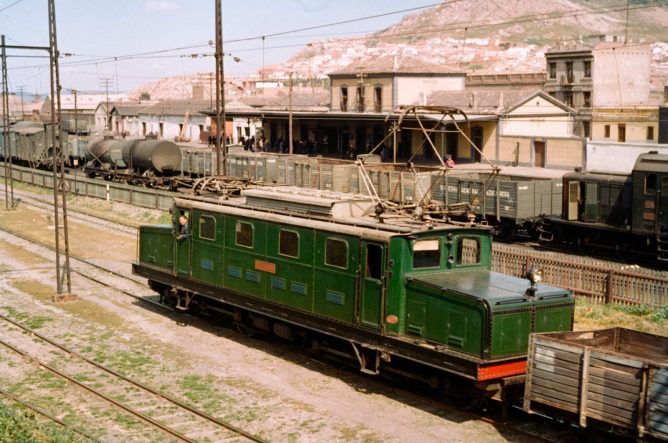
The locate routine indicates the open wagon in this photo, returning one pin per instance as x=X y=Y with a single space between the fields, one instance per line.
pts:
x=615 y=377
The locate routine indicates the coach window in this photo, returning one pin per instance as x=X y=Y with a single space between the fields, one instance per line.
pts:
x=207 y=227
x=336 y=253
x=427 y=253
x=378 y=98
x=288 y=243
x=468 y=251
x=650 y=184
x=344 y=98
x=244 y=234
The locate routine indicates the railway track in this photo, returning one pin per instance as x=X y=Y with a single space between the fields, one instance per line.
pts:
x=49 y=416
x=172 y=416
x=515 y=426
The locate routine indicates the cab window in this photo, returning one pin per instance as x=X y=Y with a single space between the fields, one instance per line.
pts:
x=288 y=243
x=207 y=227
x=244 y=234
x=427 y=253
x=468 y=250
x=336 y=253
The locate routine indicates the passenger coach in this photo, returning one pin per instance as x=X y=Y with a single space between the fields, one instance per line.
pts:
x=389 y=288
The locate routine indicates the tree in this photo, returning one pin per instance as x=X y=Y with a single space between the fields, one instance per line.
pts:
x=145 y=95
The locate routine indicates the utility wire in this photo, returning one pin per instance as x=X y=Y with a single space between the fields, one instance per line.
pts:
x=9 y=6
x=453 y=27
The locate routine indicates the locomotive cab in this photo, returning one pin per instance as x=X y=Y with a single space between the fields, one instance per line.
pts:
x=453 y=300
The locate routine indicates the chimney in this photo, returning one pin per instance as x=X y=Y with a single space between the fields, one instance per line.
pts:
x=474 y=97
x=500 y=99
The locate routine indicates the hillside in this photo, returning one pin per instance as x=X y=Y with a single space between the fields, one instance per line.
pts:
x=474 y=36
x=491 y=35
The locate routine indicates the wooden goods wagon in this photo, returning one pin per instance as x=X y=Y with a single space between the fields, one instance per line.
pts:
x=616 y=377
x=504 y=197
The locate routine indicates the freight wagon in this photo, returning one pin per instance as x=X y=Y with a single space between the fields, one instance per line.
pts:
x=613 y=377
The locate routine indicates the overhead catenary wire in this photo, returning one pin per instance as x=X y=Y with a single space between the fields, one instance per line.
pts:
x=453 y=27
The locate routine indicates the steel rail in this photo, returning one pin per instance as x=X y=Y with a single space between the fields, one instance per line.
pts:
x=140 y=385
x=487 y=419
x=48 y=415
x=116 y=403
x=201 y=414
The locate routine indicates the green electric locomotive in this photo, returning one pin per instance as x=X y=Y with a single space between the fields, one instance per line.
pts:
x=393 y=289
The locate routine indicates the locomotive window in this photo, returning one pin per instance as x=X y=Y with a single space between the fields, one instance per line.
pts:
x=207 y=227
x=288 y=243
x=650 y=184
x=336 y=253
x=374 y=261
x=427 y=253
x=468 y=251
x=244 y=234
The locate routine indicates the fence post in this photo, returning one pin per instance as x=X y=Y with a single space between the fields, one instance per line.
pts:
x=609 y=287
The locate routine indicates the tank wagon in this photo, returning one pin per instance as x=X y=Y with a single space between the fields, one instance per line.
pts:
x=392 y=290
x=624 y=213
x=137 y=160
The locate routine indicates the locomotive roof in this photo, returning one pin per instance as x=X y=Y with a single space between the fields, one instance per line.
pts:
x=598 y=177
x=651 y=162
x=351 y=214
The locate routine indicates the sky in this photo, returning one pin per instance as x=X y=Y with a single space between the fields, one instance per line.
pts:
x=106 y=37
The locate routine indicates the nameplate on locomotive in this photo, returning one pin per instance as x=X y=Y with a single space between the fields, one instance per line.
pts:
x=265 y=266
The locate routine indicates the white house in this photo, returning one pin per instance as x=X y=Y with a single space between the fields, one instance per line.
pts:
x=538 y=131
x=172 y=119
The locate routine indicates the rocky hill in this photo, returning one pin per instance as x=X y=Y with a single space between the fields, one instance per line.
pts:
x=491 y=35
x=475 y=36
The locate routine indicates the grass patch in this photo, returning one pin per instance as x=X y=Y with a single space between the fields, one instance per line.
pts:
x=26 y=319
x=200 y=391
x=92 y=312
x=123 y=361
x=642 y=318
x=18 y=425
x=126 y=421
x=35 y=288
x=21 y=257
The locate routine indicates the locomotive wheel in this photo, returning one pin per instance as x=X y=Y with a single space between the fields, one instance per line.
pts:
x=244 y=325
x=463 y=395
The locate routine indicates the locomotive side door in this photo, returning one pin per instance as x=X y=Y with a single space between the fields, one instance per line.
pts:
x=662 y=209
x=371 y=288
x=183 y=245
x=573 y=200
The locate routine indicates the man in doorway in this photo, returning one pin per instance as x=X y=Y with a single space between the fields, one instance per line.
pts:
x=183 y=228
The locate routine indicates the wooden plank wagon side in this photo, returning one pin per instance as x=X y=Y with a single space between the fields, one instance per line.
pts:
x=616 y=376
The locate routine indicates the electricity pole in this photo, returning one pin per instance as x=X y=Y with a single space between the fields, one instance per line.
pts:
x=9 y=175
x=21 y=91
x=59 y=184
x=105 y=82
x=290 y=113
x=76 y=123
x=220 y=79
